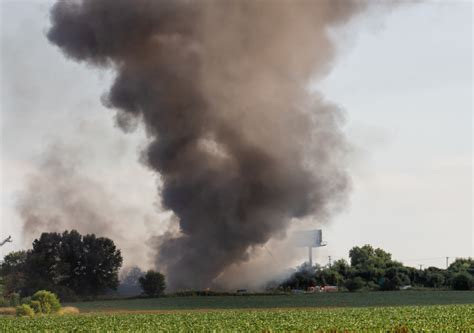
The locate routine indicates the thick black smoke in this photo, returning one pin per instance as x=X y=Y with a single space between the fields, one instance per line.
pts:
x=240 y=145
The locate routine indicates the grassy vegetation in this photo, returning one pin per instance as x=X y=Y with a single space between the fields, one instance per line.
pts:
x=397 y=319
x=396 y=298
x=373 y=311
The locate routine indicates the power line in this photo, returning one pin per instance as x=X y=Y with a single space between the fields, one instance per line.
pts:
x=429 y=259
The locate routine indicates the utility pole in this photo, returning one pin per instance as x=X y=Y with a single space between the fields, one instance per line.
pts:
x=447 y=262
x=329 y=257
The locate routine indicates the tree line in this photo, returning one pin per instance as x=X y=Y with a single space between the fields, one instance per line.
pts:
x=70 y=265
x=74 y=266
x=374 y=269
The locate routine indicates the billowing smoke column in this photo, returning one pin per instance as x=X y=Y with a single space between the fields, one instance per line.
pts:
x=221 y=87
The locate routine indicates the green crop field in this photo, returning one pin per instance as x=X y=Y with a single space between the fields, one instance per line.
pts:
x=362 y=299
x=370 y=311
x=387 y=319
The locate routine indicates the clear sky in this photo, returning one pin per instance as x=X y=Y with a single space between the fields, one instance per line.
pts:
x=403 y=78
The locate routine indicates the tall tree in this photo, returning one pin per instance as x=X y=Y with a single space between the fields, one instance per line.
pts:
x=72 y=260
x=102 y=261
x=43 y=262
x=12 y=271
x=85 y=265
x=369 y=263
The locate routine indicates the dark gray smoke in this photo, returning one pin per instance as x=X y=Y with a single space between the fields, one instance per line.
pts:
x=221 y=86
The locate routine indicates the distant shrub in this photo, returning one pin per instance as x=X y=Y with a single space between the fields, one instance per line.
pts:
x=36 y=306
x=391 y=284
x=435 y=279
x=49 y=302
x=11 y=300
x=371 y=285
x=152 y=283
x=25 y=300
x=354 y=284
x=14 y=299
x=24 y=310
x=462 y=281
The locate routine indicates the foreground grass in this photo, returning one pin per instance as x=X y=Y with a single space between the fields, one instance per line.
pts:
x=396 y=298
x=388 y=319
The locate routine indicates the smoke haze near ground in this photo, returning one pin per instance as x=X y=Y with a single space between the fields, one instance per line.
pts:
x=61 y=195
x=240 y=146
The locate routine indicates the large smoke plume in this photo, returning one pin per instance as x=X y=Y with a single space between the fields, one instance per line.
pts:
x=240 y=145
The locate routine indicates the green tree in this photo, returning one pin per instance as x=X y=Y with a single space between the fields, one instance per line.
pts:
x=12 y=271
x=329 y=276
x=369 y=263
x=462 y=281
x=462 y=265
x=303 y=278
x=354 y=284
x=395 y=276
x=70 y=264
x=13 y=262
x=434 y=277
x=367 y=255
x=24 y=310
x=342 y=267
x=72 y=261
x=43 y=263
x=152 y=283
x=102 y=261
x=48 y=302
